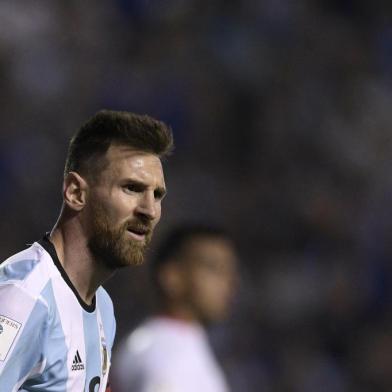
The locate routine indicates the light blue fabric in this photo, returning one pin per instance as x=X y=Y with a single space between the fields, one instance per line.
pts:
x=17 y=270
x=54 y=351
x=29 y=349
x=93 y=347
x=109 y=323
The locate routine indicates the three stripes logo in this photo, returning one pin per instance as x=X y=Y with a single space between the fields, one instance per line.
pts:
x=77 y=363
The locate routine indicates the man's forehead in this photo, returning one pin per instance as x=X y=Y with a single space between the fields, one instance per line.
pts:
x=131 y=155
x=211 y=246
x=121 y=158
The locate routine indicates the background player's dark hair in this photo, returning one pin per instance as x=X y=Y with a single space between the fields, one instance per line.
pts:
x=175 y=243
x=108 y=127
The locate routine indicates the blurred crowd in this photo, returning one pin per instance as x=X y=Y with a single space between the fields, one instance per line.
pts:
x=282 y=118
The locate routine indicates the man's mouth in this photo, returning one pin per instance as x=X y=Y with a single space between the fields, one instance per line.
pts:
x=138 y=233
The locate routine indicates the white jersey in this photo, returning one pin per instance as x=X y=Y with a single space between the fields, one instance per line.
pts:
x=50 y=340
x=166 y=355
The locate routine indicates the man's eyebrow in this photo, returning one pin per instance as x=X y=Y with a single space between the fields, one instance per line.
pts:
x=160 y=190
x=135 y=182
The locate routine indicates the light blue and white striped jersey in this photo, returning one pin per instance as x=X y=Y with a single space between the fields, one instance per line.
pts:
x=50 y=340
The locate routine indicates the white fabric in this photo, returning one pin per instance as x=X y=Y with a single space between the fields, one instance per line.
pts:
x=167 y=355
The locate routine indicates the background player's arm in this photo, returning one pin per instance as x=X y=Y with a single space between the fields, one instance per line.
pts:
x=131 y=373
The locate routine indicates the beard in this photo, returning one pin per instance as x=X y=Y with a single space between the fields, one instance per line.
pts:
x=113 y=246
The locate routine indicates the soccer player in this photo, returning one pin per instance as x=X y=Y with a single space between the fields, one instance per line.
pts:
x=56 y=321
x=194 y=273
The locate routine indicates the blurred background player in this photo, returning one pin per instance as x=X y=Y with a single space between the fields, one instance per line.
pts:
x=194 y=273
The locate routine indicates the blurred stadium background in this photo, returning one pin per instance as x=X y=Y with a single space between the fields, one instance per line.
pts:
x=282 y=117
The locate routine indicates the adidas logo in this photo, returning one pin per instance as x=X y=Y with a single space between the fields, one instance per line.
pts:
x=77 y=363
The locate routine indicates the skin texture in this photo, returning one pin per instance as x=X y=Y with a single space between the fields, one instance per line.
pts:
x=201 y=286
x=106 y=223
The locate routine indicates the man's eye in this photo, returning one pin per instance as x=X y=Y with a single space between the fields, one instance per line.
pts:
x=132 y=188
x=158 y=195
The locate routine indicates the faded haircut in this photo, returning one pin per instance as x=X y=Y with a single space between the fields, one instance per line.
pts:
x=107 y=127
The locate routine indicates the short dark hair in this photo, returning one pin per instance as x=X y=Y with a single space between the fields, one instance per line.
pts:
x=108 y=127
x=176 y=241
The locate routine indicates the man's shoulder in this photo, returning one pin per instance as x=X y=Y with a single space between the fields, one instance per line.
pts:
x=152 y=338
x=27 y=272
x=21 y=265
x=105 y=308
x=103 y=300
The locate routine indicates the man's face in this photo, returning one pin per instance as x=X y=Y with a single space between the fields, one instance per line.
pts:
x=210 y=274
x=124 y=206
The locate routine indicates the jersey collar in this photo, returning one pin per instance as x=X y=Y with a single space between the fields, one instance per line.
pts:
x=49 y=247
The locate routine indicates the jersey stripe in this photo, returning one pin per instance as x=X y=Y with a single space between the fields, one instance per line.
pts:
x=92 y=344
x=72 y=324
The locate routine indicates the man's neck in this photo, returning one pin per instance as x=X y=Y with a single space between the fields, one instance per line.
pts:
x=85 y=273
x=179 y=312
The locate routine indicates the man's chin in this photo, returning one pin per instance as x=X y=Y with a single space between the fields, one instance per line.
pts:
x=120 y=250
x=132 y=261
x=133 y=255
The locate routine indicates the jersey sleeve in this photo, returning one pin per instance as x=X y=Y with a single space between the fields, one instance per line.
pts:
x=23 y=328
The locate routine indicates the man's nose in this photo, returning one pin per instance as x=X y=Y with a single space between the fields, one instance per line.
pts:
x=146 y=206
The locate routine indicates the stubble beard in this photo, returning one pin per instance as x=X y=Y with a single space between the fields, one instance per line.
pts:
x=114 y=247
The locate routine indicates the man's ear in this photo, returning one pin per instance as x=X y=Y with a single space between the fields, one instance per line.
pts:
x=171 y=280
x=75 y=190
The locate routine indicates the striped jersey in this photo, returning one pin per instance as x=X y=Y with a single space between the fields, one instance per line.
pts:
x=50 y=339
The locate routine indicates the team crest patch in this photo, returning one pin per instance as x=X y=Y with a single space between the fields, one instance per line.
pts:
x=9 y=329
x=104 y=351
x=105 y=360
